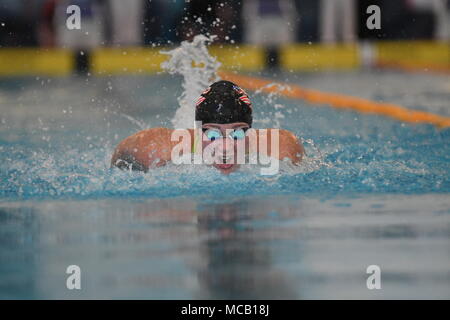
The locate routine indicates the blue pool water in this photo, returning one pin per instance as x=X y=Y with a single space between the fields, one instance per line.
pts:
x=372 y=191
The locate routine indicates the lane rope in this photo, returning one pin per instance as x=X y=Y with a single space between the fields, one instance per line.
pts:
x=338 y=101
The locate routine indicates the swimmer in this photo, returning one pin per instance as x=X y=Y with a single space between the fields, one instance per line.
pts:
x=224 y=111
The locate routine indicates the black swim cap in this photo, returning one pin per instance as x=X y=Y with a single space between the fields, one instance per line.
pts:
x=224 y=102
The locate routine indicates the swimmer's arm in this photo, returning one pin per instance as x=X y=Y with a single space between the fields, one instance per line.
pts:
x=143 y=150
x=289 y=146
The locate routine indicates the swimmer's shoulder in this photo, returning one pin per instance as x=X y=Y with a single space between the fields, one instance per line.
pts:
x=145 y=148
x=153 y=137
x=290 y=145
x=150 y=135
x=142 y=149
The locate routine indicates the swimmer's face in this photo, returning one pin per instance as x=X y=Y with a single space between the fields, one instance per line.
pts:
x=225 y=140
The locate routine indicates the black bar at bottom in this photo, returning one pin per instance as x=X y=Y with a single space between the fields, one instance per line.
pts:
x=230 y=309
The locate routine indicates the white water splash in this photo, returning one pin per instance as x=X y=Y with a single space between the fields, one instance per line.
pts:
x=198 y=68
x=139 y=123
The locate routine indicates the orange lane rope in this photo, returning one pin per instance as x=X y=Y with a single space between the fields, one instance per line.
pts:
x=337 y=100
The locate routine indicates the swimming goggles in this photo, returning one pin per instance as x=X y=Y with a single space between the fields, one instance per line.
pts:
x=214 y=134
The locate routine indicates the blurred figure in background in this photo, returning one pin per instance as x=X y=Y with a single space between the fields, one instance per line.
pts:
x=440 y=11
x=127 y=22
x=407 y=19
x=308 y=20
x=18 y=22
x=103 y=22
x=212 y=17
x=54 y=32
x=171 y=14
x=227 y=24
x=270 y=22
x=337 y=21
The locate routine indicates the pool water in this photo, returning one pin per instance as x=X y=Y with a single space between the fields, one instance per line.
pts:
x=372 y=191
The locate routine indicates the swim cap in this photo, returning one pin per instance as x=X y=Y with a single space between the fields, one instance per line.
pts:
x=224 y=102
